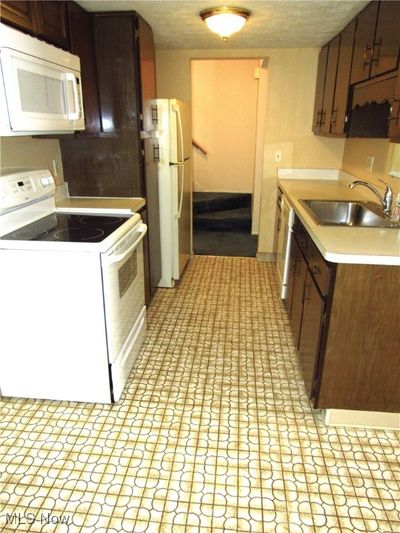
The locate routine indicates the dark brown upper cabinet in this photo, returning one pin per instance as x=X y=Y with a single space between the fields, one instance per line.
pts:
x=318 y=119
x=47 y=19
x=330 y=82
x=20 y=14
x=394 y=118
x=377 y=41
x=52 y=22
x=338 y=119
x=364 y=43
x=331 y=99
x=81 y=38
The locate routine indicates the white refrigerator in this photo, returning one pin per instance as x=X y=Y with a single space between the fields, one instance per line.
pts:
x=171 y=119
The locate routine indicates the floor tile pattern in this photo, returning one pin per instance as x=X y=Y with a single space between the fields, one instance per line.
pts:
x=214 y=432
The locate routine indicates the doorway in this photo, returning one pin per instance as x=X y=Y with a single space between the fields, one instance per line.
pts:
x=225 y=94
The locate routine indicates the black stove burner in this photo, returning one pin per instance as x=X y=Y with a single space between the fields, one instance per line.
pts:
x=68 y=228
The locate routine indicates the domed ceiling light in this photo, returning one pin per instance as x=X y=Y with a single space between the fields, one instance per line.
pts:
x=225 y=20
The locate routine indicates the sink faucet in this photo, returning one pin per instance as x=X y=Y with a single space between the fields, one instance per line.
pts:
x=386 y=199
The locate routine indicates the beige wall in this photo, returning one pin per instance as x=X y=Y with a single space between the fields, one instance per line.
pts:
x=224 y=105
x=355 y=155
x=290 y=102
x=25 y=152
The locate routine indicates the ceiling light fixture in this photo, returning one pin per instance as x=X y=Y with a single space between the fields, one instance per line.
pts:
x=225 y=20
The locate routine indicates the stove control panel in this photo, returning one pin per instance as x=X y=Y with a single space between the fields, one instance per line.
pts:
x=23 y=187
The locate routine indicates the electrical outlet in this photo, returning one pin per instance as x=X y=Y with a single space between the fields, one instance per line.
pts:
x=278 y=155
x=369 y=164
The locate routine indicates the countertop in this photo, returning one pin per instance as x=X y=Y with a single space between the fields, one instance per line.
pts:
x=375 y=246
x=117 y=205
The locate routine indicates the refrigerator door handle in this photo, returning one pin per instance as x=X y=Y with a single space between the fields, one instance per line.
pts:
x=182 y=162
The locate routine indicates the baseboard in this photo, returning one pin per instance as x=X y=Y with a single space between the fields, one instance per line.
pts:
x=267 y=257
x=364 y=419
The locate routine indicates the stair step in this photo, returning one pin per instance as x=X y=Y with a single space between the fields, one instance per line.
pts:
x=206 y=202
x=225 y=220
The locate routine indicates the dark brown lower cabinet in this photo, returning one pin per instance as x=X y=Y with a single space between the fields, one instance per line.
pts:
x=311 y=329
x=347 y=335
x=297 y=275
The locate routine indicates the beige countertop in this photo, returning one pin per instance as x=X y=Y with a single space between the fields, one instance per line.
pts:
x=377 y=246
x=85 y=203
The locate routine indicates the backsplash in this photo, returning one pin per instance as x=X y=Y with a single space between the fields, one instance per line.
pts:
x=356 y=152
x=26 y=152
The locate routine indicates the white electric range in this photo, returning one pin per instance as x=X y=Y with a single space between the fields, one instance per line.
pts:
x=72 y=312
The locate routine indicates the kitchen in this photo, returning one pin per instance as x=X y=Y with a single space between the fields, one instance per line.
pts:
x=205 y=327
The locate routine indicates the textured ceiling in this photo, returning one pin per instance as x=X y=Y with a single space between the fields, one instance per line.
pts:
x=273 y=23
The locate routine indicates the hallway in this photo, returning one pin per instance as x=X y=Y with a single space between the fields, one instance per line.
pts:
x=214 y=432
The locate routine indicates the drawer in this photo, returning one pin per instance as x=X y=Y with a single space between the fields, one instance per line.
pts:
x=319 y=268
x=301 y=236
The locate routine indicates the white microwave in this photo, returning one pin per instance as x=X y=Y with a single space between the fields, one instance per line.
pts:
x=40 y=87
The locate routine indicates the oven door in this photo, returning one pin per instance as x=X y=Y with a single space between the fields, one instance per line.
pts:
x=123 y=286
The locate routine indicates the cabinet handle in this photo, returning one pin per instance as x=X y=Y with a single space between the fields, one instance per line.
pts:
x=315 y=269
x=318 y=123
x=156 y=154
x=367 y=62
x=392 y=105
x=323 y=115
x=154 y=114
x=306 y=288
x=378 y=45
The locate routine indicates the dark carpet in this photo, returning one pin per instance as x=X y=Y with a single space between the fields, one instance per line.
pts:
x=222 y=225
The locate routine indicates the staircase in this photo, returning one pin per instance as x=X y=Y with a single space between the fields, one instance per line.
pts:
x=222 y=212
x=222 y=224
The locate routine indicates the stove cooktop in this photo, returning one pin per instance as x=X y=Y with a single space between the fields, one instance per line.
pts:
x=68 y=228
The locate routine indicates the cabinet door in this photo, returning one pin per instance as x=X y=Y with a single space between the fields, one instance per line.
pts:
x=387 y=38
x=52 y=22
x=298 y=275
x=117 y=72
x=311 y=329
x=364 y=43
x=330 y=80
x=319 y=92
x=81 y=35
x=20 y=14
x=339 y=111
x=394 y=119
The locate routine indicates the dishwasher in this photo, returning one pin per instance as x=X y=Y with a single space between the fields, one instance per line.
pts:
x=285 y=223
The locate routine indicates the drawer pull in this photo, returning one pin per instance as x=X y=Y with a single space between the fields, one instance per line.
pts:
x=315 y=269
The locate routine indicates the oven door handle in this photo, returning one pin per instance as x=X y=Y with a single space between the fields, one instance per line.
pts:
x=111 y=259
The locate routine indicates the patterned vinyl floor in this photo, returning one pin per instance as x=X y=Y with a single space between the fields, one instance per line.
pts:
x=214 y=432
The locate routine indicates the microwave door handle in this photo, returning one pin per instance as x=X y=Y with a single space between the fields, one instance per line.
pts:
x=112 y=259
x=73 y=115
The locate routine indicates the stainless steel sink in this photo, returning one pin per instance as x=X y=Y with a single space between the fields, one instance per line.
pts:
x=347 y=213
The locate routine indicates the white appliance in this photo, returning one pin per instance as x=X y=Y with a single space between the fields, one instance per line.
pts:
x=286 y=219
x=171 y=120
x=40 y=86
x=72 y=310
